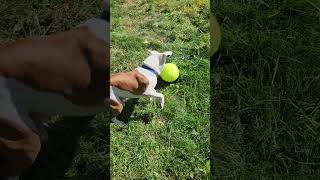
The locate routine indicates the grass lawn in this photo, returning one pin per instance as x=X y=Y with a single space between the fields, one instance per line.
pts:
x=172 y=142
x=267 y=89
x=161 y=144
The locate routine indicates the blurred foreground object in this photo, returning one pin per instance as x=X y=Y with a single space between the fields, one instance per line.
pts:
x=215 y=35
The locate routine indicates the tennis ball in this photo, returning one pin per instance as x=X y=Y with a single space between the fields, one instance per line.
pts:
x=170 y=72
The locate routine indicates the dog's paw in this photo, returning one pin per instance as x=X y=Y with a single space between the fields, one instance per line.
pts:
x=118 y=122
x=162 y=102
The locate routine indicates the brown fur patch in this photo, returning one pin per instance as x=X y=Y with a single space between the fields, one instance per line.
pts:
x=133 y=81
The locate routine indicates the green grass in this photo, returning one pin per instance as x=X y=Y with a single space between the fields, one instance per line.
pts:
x=175 y=141
x=267 y=89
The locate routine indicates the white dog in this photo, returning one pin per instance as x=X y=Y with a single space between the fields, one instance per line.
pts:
x=151 y=68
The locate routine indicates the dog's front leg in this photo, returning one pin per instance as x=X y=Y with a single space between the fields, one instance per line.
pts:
x=154 y=94
x=160 y=96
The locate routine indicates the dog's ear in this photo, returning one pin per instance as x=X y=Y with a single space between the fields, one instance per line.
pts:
x=167 y=53
x=162 y=60
x=149 y=52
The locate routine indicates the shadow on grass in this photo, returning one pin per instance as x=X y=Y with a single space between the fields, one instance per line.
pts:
x=57 y=155
x=162 y=84
x=128 y=109
x=127 y=112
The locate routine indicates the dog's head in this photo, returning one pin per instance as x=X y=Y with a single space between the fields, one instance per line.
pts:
x=156 y=60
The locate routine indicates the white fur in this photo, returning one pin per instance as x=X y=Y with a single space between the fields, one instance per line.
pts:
x=156 y=61
x=47 y=103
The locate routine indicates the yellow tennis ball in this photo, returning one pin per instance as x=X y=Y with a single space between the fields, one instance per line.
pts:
x=170 y=72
